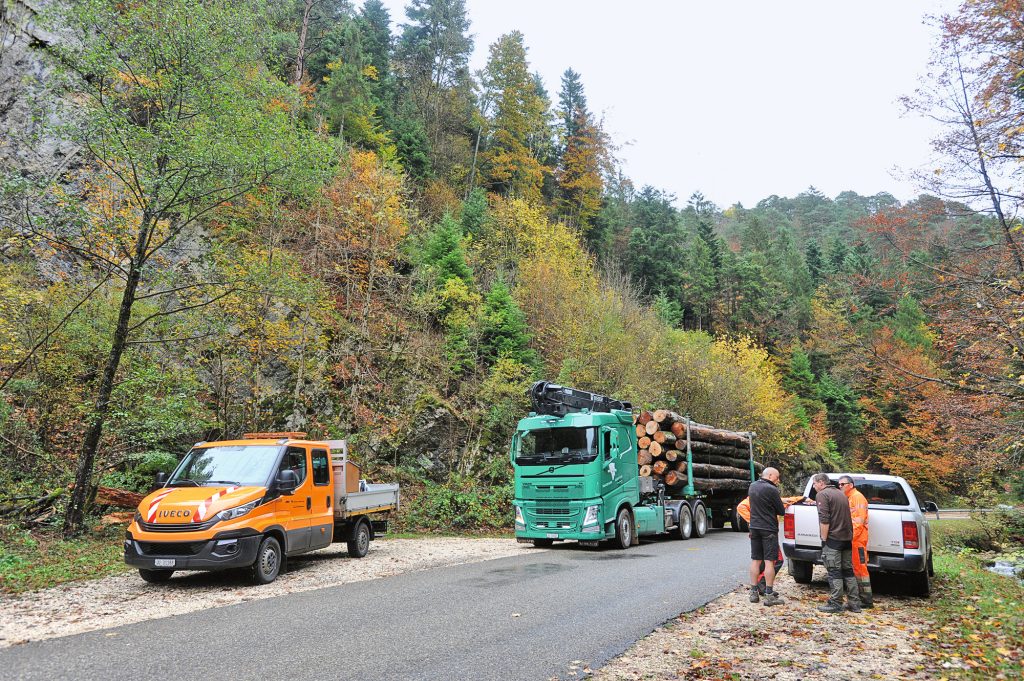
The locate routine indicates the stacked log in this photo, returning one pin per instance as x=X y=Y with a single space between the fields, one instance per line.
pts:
x=721 y=458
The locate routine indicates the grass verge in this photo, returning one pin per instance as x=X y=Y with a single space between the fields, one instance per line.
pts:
x=978 y=619
x=40 y=559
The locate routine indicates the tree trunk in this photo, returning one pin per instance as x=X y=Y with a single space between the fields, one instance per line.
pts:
x=664 y=437
x=666 y=417
x=645 y=471
x=300 y=58
x=659 y=467
x=641 y=431
x=643 y=457
x=675 y=479
x=721 y=485
x=671 y=454
x=655 y=449
x=652 y=427
x=706 y=470
x=644 y=418
x=644 y=442
x=75 y=513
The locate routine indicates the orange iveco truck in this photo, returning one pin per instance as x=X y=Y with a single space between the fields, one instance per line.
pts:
x=250 y=503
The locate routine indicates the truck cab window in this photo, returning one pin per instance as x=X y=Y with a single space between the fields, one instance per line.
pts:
x=607 y=444
x=295 y=461
x=321 y=467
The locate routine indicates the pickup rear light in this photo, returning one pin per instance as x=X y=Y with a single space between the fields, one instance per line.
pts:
x=789 y=525
x=910 y=539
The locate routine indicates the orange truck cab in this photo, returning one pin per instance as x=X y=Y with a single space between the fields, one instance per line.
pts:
x=250 y=503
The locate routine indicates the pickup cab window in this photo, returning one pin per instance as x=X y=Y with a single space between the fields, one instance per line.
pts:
x=557 y=446
x=882 y=492
x=295 y=460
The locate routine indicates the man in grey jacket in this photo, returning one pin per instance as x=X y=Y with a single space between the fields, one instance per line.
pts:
x=836 y=529
x=765 y=508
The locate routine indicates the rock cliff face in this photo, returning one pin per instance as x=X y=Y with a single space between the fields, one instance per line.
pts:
x=25 y=145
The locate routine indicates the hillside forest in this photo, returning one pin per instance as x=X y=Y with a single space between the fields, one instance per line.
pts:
x=231 y=215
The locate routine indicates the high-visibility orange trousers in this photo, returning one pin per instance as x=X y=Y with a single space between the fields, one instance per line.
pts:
x=860 y=559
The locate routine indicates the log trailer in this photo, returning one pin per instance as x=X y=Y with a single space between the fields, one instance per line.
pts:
x=578 y=475
x=251 y=503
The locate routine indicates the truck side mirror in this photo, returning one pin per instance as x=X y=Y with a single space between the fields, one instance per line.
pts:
x=159 y=480
x=931 y=507
x=287 y=481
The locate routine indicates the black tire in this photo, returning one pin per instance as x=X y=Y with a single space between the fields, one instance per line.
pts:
x=801 y=571
x=684 y=523
x=700 y=521
x=359 y=545
x=269 y=558
x=920 y=583
x=155 y=576
x=623 y=529
x=543 y=543
x=931 y=568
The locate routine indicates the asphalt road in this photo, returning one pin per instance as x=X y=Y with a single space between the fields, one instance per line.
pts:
x=525 y=617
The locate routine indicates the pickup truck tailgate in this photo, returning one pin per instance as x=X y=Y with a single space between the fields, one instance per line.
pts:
x=885 y=528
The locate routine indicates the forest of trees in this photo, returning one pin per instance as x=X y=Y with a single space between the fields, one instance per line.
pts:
x=311 y=215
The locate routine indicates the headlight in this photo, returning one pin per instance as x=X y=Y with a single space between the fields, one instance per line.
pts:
x=592 y=516
x=520 y=520
x=237 y=511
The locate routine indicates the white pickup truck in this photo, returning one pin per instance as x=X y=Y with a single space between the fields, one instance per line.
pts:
x=899 y=540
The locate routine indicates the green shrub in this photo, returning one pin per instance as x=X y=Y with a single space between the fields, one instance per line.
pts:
x=460 y=503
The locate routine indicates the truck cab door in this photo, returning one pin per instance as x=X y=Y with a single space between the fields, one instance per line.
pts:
x=321 y=514
x=612 y=471
x=294 y=508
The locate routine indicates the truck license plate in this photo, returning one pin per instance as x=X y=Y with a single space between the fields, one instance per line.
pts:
x=552 y=535
x=164 y=562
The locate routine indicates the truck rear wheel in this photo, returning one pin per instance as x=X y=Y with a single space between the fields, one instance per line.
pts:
x=155 y=576
x=624 y=529
x=920 y=583
x=700 y=521
x=684 y=523
x=359 y=545
x=801 y=571
x=268 y=561
x=738 y=523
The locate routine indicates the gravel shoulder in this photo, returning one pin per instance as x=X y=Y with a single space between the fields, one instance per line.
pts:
x=125 y=599
x=731 y=638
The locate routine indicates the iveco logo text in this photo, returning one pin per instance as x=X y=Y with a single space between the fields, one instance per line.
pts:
x=174 y=514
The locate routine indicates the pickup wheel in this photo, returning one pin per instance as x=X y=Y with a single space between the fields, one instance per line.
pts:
x=684 y=524
x=623 y=529
x=359 y=545
x=543 y=543
x=268 y=561
x=155 y=576
x=801 y=571
x=931 y=568
x=920 y=583
x=700 y=521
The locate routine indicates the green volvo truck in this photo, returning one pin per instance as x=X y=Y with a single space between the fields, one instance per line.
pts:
x=577 y=477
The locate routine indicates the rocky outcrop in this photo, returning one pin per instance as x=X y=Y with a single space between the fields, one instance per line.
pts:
x=28 y=145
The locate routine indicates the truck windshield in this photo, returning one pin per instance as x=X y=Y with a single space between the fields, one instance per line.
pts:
x=557 y=446
x=242 y=465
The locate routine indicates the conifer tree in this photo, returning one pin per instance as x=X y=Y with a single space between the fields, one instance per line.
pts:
x=509 y=165
x=504 y=333
x=444 y=255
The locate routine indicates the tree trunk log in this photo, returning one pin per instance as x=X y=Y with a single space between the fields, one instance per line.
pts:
x=651 y=428
x=659 y=467
x=665 y=437
x=706 y=470
x=644 y=442
x=122 y=498
x=644 y=418
x=644 y=457
x=721 y=485
x=645 y=471
x=675 y=479
x=655 y=449
x=671 y=454
x=641 y=431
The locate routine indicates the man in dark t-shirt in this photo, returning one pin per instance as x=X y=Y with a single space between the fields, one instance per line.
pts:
x=836 y=529
x=765 y=508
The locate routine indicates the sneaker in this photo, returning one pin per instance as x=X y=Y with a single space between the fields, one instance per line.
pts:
x=852 y=608
x=755 y=596
x=772 y=598
x=830 y=608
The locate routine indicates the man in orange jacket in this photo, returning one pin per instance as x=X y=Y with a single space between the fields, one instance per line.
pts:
x=859 y=515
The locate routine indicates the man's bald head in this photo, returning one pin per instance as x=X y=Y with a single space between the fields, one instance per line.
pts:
x=771 y=475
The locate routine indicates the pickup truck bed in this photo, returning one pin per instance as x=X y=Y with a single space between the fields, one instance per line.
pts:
x=375 y=498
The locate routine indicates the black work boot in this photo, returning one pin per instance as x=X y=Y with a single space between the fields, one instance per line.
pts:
x=852 y=594
x=867 y=599
x=830 y=607
x=772 y=598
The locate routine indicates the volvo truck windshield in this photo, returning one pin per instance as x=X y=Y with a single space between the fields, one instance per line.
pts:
x=557 y=446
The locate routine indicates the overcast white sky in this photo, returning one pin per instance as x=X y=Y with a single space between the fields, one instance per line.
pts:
x=742 y=99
